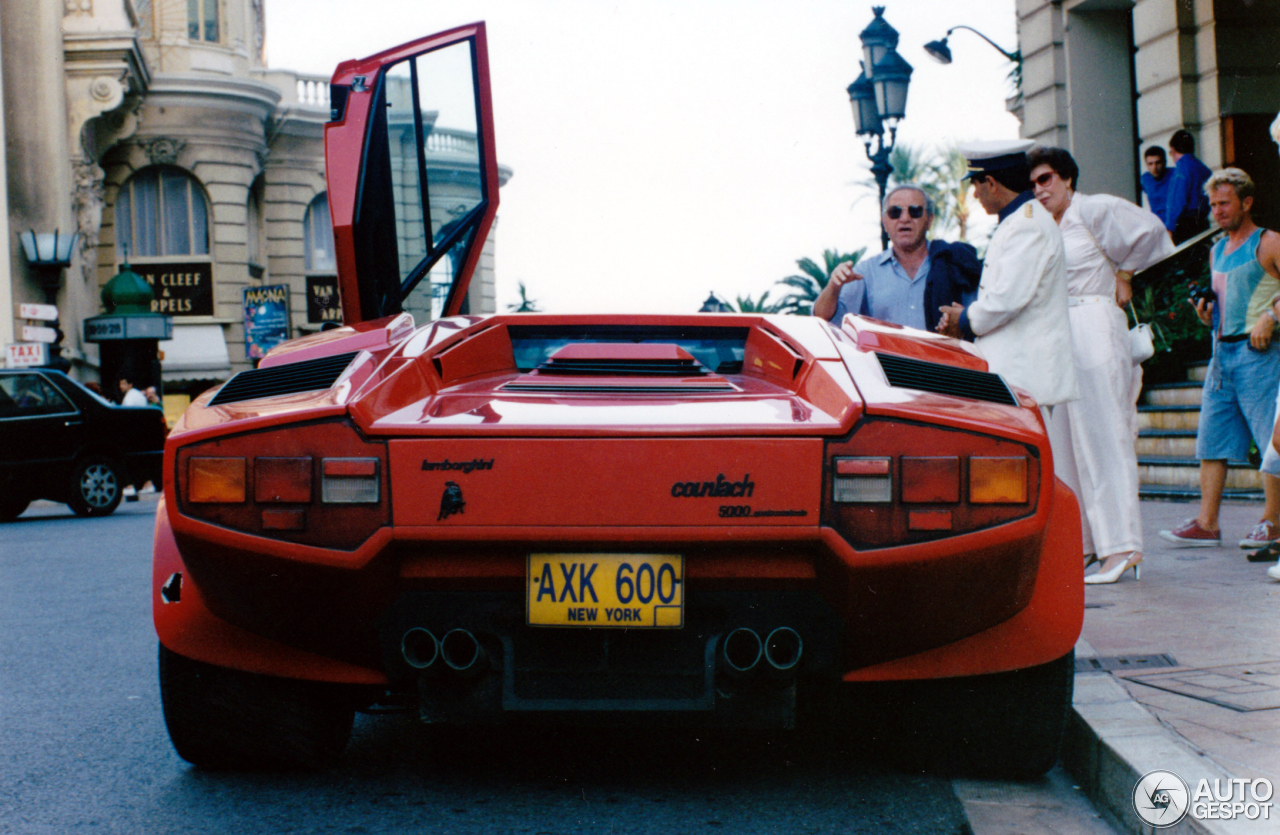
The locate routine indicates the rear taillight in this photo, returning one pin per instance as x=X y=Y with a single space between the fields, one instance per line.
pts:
x=227 y=482
x=861 y=480
x=948 y=482
x=349 y=481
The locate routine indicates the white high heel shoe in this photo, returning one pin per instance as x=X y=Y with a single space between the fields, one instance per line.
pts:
x=1090 y=559
x=1133 y=561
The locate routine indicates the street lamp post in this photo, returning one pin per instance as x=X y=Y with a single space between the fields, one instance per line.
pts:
x=879 y=98
x=49 y=253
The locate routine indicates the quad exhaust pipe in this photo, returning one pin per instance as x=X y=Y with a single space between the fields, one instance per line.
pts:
x=742 y=652
x=458 y=651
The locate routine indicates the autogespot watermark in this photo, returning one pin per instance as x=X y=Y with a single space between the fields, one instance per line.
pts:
x=1162 y=799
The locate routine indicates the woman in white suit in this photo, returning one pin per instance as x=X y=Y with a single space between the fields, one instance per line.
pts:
x=1106 y=240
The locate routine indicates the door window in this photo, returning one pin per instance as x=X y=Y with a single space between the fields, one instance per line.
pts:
x=29 y=395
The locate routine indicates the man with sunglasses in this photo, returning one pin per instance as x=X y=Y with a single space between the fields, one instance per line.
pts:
x=1020 y=315
x=910 y=281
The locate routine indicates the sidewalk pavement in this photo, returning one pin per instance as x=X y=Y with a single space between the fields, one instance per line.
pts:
x=1194 y=681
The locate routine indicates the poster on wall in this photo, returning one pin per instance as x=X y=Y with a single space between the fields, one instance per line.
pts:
x=266 y=319
x=181 y=289
x=322 y=300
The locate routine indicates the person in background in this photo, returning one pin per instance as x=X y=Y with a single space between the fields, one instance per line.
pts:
x=913 y=278
x=1106 y=240
x=1156 y=179
x=1270 y=460
x=153 y=397
x=1238 y=403
x=1020 y=314
x=130 y=396
x=1186 y=209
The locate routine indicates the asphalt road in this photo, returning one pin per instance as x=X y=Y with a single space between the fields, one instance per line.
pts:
x=83 y=746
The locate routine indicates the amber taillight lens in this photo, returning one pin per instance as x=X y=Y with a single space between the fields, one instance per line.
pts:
x=216 y=480
x=998 y=480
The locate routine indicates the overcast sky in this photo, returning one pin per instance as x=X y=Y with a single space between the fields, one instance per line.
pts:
x=667 y=148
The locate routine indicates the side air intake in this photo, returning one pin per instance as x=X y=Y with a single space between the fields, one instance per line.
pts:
x=309 y=375
x=945 y=379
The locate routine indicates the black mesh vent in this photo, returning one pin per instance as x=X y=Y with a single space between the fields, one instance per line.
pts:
x=308 y=375
x=569 y=388
x=610 y=367
x=945 y=379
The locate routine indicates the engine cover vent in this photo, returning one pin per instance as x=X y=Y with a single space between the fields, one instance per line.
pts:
x=309 y=375
x=570 y=388
x=945 y=379
x=604 y=359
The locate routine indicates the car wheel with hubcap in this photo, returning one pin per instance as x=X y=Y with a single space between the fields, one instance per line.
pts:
x=221 y=718
x=97 y=485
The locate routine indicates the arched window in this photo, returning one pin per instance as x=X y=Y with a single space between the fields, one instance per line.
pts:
x=317 y=236
x=161 y=211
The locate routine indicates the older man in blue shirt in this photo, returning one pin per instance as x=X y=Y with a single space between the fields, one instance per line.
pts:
x=909 y=282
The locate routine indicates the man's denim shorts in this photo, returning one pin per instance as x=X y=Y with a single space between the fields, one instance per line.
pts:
x=1239 y=402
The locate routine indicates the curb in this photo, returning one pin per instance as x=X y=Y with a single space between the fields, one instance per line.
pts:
x=1112 y=741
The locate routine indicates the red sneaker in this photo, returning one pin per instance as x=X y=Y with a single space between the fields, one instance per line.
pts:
x=1193 y=536
x=1263 y=534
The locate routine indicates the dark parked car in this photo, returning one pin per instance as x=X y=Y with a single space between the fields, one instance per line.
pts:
x=61 y=441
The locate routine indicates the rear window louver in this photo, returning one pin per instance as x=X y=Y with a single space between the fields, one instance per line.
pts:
x=610 y=367
x=945 y=379
x=553 y=388
x=309 y=375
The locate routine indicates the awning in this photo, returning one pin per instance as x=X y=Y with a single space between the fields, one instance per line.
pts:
x=196 y=352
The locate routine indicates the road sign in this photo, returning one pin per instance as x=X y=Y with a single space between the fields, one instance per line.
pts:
x=40 y=312
x=36 y=333
x=26 y=354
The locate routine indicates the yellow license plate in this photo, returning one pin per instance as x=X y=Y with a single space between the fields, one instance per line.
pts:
x=631 y=591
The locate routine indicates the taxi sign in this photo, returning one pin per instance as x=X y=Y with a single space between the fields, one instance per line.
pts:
x=26 y=354
x=628 y=591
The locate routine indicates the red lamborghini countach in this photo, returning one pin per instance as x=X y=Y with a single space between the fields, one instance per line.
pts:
x=706 y=518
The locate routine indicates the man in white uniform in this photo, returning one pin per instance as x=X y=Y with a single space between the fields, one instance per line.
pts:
x=1020 y=316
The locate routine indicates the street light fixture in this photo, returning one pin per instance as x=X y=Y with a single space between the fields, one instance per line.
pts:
x=49 y=253
x=879 y=98
x=940 y=52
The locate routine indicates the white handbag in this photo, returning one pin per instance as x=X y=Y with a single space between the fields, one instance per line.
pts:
x=1142 y=345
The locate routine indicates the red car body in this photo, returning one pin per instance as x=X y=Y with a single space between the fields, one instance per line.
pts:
x=422 y=513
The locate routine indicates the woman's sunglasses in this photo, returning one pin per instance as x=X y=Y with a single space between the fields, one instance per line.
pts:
x=1045 y=178
x=895 y=212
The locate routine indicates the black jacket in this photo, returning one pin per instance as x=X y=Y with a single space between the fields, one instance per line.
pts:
x=954 y=271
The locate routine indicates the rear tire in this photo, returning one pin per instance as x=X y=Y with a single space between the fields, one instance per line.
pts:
x=97 y=485
x=1001 y=725
x=11 y=507
x=220 y=718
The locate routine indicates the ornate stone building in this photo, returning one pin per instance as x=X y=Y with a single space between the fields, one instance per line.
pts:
x=155 y=129
x=1108 y=78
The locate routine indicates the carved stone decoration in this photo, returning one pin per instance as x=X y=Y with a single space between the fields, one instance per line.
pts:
x=259 y=32
x=87 y=198
x=79 y=7
x=163 y=150
x=107 y=92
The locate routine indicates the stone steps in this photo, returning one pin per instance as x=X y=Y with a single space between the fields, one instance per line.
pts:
x=1166 y=445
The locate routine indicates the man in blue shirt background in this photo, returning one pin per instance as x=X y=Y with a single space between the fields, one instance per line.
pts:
x=913 y=278
x=1156 y=180
x=1186 y=211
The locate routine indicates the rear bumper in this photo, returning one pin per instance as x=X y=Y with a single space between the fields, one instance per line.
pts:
x=915 y=612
